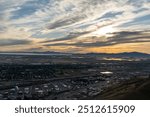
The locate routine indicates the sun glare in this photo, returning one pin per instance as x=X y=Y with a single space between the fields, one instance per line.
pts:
x=107 y=30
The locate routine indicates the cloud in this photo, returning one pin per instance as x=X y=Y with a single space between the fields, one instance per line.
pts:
x=65 y=22
x=2 y=29
x=11 y=42
x=117 y=38
x=75 y=19
x=38 y=49
x=70 y=36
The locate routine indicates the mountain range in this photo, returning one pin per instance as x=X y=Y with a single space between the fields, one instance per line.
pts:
x=124 y=54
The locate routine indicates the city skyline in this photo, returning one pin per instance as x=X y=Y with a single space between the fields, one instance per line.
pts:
x=81 y=26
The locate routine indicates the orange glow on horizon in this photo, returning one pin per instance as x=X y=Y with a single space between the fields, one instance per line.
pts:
x=142 y=47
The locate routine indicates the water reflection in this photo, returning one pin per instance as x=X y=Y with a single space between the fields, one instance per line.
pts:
x=106 y=72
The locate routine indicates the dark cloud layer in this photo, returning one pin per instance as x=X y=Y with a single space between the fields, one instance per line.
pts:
x=70 y=36
x=9 y=42
x=117 y=38
x=38 y=49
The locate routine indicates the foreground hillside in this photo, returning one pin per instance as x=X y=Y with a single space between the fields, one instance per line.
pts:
x=138 y=89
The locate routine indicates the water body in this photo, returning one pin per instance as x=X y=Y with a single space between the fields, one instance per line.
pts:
x=107 y=73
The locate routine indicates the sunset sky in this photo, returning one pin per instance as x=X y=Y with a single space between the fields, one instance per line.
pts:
x=83 y=26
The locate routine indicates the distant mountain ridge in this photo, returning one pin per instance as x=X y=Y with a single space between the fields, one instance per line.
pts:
x=124 y=54
x=33 y=53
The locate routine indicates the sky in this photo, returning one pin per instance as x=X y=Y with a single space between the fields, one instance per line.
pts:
x=75 y=26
